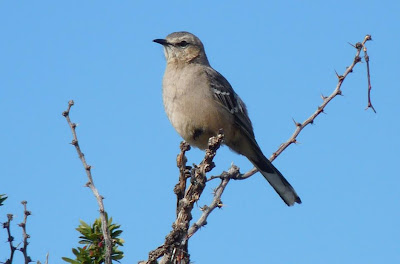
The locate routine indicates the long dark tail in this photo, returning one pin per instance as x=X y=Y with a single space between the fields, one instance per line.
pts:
x=276 y=179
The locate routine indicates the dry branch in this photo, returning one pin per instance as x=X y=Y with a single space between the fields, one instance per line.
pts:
x=10 y=239
x=90 y=184
x=24 y=249
x=366 y=58
x=320 y=109
x=175 y=247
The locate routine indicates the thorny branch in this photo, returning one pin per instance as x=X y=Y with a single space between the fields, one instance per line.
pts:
x=24 y=234
x=366 y=58
x=232 y=173
x=320 y=109
x=24 y=248
x=90 y=184
x=10 y=240
x=172 y=249
x=184 y=174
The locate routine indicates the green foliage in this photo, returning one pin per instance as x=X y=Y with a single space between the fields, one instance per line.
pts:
x=94 y=249
x=3 y=197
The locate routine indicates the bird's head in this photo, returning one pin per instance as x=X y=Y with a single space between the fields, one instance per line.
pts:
x=183 y=47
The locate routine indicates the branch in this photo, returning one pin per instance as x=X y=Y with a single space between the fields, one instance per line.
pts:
x=184 y=174
x=175 y=247
x=25 y=235
x=90 y=184
x=10 y=239
x=321 y=107
x=366 y=58
x=216 y=202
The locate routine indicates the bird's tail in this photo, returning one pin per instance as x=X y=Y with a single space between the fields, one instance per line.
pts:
x=276 y=179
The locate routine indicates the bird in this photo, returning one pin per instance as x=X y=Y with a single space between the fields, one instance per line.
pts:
x=199 y=101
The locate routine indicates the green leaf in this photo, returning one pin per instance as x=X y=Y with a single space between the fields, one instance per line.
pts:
x=70 y=260
x=93 y=239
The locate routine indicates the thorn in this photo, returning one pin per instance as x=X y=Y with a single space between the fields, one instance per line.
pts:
x=74 y=142
x=296 y=123
x=359 y=46
x=351 y=45
x=323 y=97
x=340 y=77
x=339 y=92
x=88 y=167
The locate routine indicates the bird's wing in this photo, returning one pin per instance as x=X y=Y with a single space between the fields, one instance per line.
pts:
x=226 y=96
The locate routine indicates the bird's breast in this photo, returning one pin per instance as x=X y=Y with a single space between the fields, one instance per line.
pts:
x=190 y=107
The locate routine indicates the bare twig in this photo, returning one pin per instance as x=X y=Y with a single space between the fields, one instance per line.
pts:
x=216 y=202
x=90 y=184
x=366 y=58
x=47 y=260
x=24 y=249
x=10 y=239
x=320 y=108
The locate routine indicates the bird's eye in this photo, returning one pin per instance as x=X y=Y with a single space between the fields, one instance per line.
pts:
x=182 y=44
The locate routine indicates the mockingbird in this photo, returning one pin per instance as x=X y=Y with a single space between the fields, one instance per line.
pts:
x=199 y=102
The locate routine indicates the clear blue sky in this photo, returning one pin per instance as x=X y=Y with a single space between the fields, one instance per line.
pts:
x=278 y=55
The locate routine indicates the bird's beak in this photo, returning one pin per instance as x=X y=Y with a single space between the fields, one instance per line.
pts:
x=161 y=41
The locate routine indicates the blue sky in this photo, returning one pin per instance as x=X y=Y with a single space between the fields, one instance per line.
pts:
x=279 y=56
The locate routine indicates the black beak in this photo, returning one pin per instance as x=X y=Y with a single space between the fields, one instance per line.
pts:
x=161 y=41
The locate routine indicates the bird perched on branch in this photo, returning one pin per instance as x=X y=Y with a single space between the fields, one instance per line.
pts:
x=199 y=102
